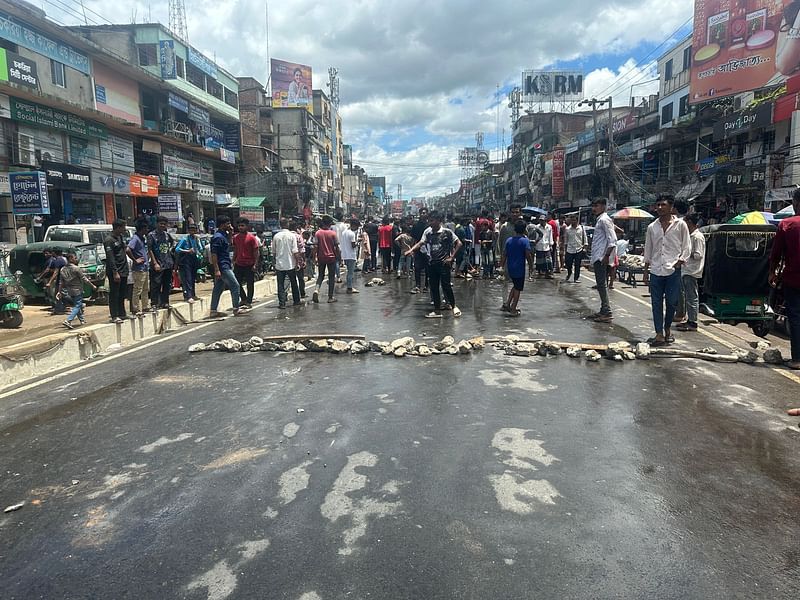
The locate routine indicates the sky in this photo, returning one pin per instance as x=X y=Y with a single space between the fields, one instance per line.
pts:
x=419 y=79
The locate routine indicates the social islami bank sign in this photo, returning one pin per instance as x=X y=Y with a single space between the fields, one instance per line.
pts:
x=552 y=86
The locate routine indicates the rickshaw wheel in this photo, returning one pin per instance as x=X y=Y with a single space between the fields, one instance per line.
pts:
x=760 y=328
x=10 y=319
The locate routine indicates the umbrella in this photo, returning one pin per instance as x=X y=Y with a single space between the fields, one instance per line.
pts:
x=784 y=213
x=632 y=213
x=753 y=218
x=534 y=209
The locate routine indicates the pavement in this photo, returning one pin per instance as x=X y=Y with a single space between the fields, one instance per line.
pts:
x=152 y=473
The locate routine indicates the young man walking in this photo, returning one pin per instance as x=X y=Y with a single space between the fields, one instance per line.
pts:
x=117 y=271
x=245 y=259
x=666 y=249
x=604 y=241
x=223 y=269
x=327 y=254
x=138 y=251
x=784 y=270
x=420 y=258
x=385 y=245
x=442 y=245
x=188 y=253
x=516 y=253
x=348 y=247
x=286 y=252
x=160 y=246
x=575 y=244
x=692 y=272
x=70 y=289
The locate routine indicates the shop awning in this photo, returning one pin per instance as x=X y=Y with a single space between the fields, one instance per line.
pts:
x=692 y=190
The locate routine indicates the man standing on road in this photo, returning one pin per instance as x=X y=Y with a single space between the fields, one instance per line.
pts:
x=385 y=245
x=296 y=228
x=371 y=229
x=420 y=258
x=338 y=227
x=117 y=271
x=138 y=251
x=348 y=246
x=245 y=259
x=507 y=228
x=442 y=245
x=516 y=253
x=188 y=253
x=223 y=269
x=604 y=241
x=575 y=244
x=666 y=249
x=160 y=247
x=784 y=263
x=556 y=231
x=544 y=249
x=327 y=254
x=286 y=252
x=692 y=272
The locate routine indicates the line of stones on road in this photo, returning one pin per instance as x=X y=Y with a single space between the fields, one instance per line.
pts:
x=510 y=345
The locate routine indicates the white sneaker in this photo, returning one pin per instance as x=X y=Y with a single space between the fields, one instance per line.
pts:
x=433 y=315
x=190 y=300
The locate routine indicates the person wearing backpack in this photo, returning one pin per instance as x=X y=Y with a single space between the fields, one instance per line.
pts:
x=161 y=247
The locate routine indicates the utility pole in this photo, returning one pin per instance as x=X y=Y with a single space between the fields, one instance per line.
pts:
x=594 y=103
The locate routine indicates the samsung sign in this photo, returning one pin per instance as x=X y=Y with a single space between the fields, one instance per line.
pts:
x=552 y=86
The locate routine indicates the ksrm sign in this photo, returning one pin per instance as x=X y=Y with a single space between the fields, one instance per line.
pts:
x=552 y=86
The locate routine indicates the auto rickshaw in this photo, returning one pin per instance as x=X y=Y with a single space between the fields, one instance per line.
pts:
x=11 y=302
x=735 y=286
x=29 y=259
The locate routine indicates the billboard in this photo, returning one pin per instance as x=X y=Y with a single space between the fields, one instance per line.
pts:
x=558 y=172
x=742 y=46
x=29 y=193
x=291 y=85
x=552 y=86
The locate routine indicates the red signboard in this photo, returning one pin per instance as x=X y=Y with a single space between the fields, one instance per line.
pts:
x=144 y=185
x=558 y=172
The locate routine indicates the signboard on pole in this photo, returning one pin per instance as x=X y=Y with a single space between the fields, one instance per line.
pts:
x=169 y=205
x=558 y=172
x=29 y=193
x=552 y=86
x=250 y=208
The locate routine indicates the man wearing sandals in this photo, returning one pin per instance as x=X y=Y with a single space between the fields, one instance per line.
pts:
x=516 y=253
x=667 y=247
x=604 y=241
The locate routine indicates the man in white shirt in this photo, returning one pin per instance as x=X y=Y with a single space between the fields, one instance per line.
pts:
x=348 y=243
x=604 y=240
x=692 y=271
x=339 y=227
x=544 y=249
x=575 y=243
x=286 y=252
x=666 y=249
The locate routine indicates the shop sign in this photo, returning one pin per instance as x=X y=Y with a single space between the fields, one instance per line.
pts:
x=747 y=178
x=571 y=147
x=5 y=186
x=28 y=37
x=231 y=137
x=100 y=94
x=18 y=69
x=623 y=123
x=29 y=193
x=116 y=154
x=201 y=62
x=144 y=185
x=177 y=102
x=585 y=138
x=44 y=116
x=199 y=115
x=580 y=171
x=712 y=164
x=182 y=168
x=558 y=172
x=104 y=182
x=250 y=208
x=204 y=191
x=743 y=121
x=222 y=199
x=67 y=177
x=784 y=194
x=166 y=58
x=227 y=155
x=169 y=205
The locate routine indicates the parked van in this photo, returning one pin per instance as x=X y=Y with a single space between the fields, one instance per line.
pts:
x=81 y=234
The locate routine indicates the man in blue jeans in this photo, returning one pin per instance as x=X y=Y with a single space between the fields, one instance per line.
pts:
x=667 y=247
x=223 y=269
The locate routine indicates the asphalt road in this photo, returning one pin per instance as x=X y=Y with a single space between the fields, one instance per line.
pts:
x=159 y=474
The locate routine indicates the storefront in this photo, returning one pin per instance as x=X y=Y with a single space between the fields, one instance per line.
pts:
x=113 y=189
x=69 y=190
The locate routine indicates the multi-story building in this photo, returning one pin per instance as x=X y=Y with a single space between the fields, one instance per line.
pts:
x=260 y=168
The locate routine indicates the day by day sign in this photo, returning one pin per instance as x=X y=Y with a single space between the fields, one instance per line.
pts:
x=29 y=193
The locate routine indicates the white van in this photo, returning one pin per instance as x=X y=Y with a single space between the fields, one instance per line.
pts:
x=83 y=234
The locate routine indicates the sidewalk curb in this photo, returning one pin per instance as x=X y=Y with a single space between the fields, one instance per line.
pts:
x=21 y=362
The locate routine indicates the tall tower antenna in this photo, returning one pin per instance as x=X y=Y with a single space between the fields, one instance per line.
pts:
x=333 y=85
x=177 y=19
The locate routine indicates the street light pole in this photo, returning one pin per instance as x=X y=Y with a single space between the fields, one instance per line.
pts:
x=594 y=103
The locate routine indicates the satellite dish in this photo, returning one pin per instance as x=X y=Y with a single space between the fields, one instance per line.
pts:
x=483 y=157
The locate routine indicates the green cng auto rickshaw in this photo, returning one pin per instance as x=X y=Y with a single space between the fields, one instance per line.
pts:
x=11 y=302
x=735 y=287
x=30 y=260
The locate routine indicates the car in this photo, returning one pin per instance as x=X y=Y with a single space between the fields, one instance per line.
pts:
x=83 y=234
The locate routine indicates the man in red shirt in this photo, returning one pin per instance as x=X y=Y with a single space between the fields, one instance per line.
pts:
x=554 y=249
x=245 y=258
x=327 y=256
x=385 y=244
x=786 y=252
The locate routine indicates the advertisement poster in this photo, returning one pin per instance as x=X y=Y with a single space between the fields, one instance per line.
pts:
x=169 y=205
x=166 y=58
x=552 y=86
x=742 y=45
x=558 y=172
x=291 y=85
x=29 y=193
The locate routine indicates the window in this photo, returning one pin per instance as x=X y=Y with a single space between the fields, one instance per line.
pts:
x=687 y=58
x=58 y=73
x=179 y=67
x=195 y=76
x=668 y=70
x=231 y=98
x=684 y=106
x=214 y=88
x=769 y=141
x=148 y=55
x=666 y=114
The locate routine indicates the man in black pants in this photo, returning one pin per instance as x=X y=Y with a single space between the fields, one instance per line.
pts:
x=420 y=258
x=442 y=245
x=117 y=270
x=371 y=229
x=161 y=247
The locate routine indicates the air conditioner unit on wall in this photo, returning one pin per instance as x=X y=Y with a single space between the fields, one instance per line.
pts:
x=26 y=149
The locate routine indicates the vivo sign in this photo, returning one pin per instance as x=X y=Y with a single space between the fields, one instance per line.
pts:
x=552 y=86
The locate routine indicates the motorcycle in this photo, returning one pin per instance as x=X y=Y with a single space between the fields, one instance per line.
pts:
x=11 y=302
